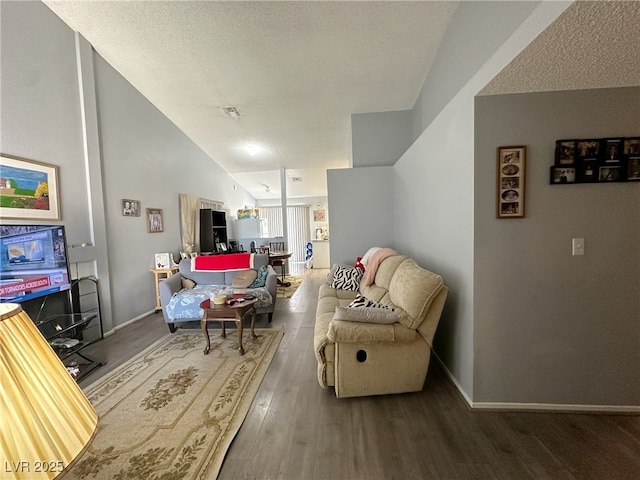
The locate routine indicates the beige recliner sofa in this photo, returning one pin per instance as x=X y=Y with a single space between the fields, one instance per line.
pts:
x=361 y=359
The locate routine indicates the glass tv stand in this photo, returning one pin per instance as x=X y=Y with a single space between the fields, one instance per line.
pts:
x=64 y=333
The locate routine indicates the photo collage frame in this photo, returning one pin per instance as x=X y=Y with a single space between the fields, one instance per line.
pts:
x=601 y=160
x=510 y=192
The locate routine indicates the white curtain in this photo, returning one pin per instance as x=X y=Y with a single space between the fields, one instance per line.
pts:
x=190 y=206
x=189 y=219
x=298 y=227
x=299 y=231
x=274 y=220
x=212 y=204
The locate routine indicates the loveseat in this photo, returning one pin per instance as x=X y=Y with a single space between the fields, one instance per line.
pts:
x=182 y=293
x=361 y=357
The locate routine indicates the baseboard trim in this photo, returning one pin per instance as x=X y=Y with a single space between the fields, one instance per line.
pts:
x=453 y=379
x=129 y=322
x=536 y=407
x=556 y=408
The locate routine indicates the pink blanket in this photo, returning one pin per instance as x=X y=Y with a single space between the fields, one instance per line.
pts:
x=231 y=261
x=373 y=264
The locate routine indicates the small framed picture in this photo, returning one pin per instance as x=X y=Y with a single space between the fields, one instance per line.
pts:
x=563 y=175
x=130 y=208
x=154 y=220
x=587 y=170
x=193 y=255
x=319 y=216
x=588 y=148
x=631 y=146
x=609 y=174
x=510 y=191
x=565 y=152
x=633 y=169
x=221 y=247
x=611 y=151
x=184 y=255
x=163 y=261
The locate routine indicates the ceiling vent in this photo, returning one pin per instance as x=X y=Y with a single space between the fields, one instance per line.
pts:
x=231 y=112
x=296 y=179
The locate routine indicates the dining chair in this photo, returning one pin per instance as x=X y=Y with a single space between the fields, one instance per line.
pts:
x=275 y=247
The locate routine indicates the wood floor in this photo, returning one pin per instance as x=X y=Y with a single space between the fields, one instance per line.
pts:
x=296 y=430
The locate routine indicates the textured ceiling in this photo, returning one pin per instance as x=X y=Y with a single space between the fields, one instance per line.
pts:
x=296 y=71
x=591 y=45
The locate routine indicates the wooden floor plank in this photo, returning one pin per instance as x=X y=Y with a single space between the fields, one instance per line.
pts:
x=296 y=430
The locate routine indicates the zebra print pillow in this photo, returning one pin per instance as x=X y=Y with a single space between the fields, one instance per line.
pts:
x=346 y=278
x=362 y=301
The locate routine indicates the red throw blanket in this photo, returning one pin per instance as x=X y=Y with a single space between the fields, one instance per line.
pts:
x=231 y=261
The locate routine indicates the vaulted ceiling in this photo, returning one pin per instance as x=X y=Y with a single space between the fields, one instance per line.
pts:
x=296 y=71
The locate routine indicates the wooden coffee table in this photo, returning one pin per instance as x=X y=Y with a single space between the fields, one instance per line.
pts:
x=227 y=313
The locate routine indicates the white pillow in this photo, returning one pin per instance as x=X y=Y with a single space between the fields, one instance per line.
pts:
x=365 y=258
x=365 y=314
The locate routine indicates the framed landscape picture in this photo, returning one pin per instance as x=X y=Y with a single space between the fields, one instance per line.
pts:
x=28 y=190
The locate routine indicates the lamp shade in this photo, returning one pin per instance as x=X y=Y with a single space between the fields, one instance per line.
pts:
x=46 y=421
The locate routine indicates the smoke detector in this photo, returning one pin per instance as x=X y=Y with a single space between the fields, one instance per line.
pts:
x=231 y=112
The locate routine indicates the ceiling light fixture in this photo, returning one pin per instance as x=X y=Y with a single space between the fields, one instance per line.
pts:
x=252 y=150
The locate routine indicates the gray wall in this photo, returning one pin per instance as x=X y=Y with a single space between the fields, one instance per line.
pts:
x=434 y=179
x=476 y=31
x=361 y=206
x=141 y=156
x=551 y=327
x=433 y=223
x=379 y=139
x=40 y=109
x=147 y=158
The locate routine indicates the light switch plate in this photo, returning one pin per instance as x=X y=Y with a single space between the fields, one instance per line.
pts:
x=577 y=246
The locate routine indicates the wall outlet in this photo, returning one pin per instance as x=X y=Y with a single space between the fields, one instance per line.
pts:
x=577 y=246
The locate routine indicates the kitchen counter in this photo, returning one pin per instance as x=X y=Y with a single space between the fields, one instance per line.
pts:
x=321 y=254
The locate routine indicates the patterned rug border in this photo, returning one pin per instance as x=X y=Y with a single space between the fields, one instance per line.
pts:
x=240 y=410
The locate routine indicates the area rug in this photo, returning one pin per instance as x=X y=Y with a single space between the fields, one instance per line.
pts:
x=172 y=412
x=287 y=292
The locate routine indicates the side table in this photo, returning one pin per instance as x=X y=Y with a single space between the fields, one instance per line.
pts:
x=222 y=313
x=161 y=274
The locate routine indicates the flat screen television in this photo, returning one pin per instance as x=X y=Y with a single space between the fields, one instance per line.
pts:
x=34 y=262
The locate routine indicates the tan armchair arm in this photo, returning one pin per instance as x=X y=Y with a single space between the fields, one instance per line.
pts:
x=359 y=332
